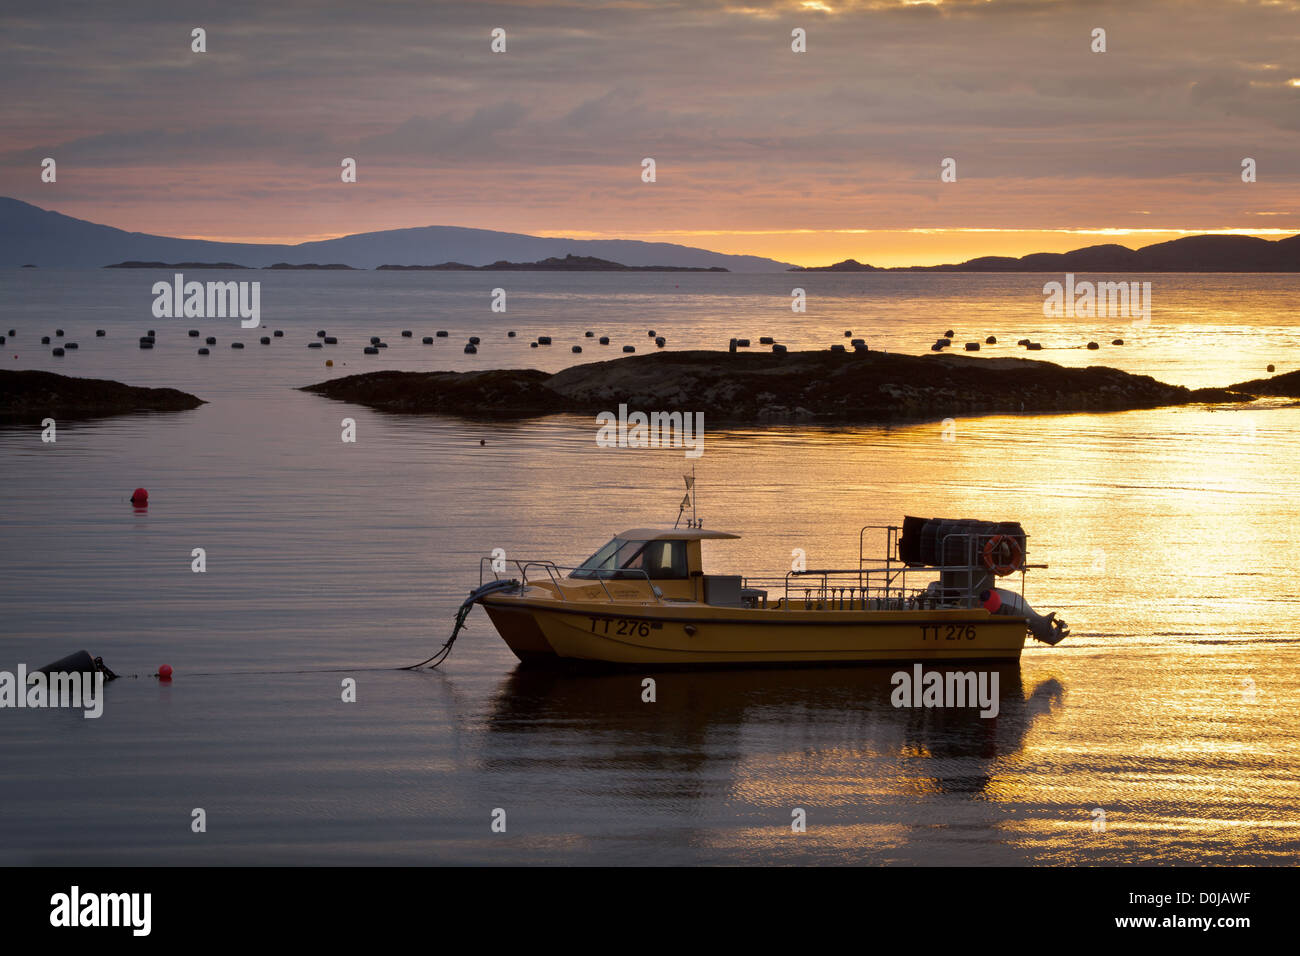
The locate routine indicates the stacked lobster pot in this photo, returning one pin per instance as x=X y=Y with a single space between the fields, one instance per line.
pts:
x=969 y=554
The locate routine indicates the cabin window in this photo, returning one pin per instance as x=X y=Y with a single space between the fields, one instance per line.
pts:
x=658 y=559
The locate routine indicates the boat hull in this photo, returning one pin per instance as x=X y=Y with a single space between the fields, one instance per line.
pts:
x=555 y=632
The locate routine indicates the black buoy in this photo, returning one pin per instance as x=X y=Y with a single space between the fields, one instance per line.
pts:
x=146 y=343
x=604 y=340
x=382 y=345
x=60 y=351
x=427 y=340
x=204 y=351
x=742 y=343
x=949 y=334
x=991 y=340
x=265 y=340
x=194 y=333
x=79 y=663
x=474 y=340
x=511 y=334
x=590 y=334
x=1093 y=346
x=12 y=333
x=848 y=333
x=320 y=333
x=315 y=345
x=778 y=349
x=543 y=340
x=576 y=349
x=374 y=340
x=58 y=333
x=972 y=346
x=731 y=346
x=210 y=340
x=1116 y=341
x=238 y=345
x=532 y=345
x=937 y=346
x=1023 y=342
x=147 y=338
x=1270 y=368
x=838 y=348
x=45 y=340
x=406 y=333
x=442 y=333
x=651 y=333
x=331 y=340
x=99 y=333
x=661 y=341
x=153 y=333
x=1034 y=346
x=70 y=345
x=278 y=334
x=629 y=348
x=370 y=350
x=861 y=347
x=766 y=340
x=471 y=349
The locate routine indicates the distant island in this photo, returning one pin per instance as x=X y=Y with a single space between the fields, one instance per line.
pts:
x=1208 y=253
x=309 y=265
x=569 y=263
x=757 y=388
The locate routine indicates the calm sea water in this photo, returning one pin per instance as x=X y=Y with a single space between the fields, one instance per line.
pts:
x=1169 y=536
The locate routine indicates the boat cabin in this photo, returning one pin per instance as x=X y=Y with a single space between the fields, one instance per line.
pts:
x=670 y=559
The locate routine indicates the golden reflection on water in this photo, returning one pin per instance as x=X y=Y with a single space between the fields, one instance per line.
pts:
x=1173 y=707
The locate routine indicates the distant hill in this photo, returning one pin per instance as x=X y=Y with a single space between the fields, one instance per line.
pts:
x=848 y=265
x=1190 y=254
x=569 y=263
x=29 y=234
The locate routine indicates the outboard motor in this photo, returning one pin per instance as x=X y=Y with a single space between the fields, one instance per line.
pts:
x=1044 y=627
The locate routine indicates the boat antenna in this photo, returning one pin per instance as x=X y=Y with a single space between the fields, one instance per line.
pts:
x=688 y=500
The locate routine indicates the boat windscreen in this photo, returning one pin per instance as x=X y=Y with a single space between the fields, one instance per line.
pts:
x=622 y=558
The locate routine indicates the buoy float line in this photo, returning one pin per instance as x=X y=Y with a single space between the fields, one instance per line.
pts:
x=462 y=613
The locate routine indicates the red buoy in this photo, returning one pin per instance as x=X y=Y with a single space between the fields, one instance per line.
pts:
x=165 y=672
x=991 y=601
x=139 y=497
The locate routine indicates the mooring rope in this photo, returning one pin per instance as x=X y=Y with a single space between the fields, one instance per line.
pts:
x=462 y=613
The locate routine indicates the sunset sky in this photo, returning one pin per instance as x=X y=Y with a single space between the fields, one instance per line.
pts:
x=805 y=157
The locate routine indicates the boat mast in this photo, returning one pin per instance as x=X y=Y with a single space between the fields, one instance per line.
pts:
x=688 y=499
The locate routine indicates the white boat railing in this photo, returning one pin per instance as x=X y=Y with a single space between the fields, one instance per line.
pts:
x=555 y=573
x=881 y=584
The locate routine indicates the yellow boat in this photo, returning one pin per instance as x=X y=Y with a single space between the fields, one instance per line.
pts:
x=645 y=599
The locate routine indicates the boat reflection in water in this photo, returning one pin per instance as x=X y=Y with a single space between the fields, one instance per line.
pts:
x=689 y=739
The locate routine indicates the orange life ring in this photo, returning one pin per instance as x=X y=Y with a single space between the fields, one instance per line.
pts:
x=1003 y=555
